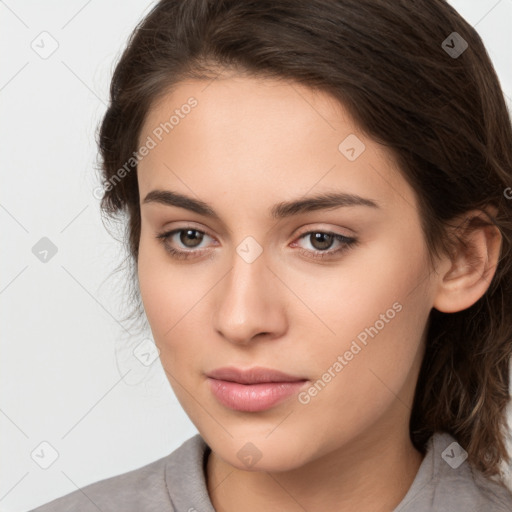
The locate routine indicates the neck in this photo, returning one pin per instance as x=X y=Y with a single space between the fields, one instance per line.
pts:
x=369 y=474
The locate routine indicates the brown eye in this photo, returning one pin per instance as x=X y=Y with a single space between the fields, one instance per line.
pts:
x=183 y=244
x=191 y=238
x=321 y=241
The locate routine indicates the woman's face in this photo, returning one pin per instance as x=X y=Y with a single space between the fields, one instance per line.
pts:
x=337 y=297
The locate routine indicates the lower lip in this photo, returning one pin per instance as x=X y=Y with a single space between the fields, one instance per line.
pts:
x=253 y=397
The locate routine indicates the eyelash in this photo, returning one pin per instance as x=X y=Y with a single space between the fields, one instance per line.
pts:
x=348 y=242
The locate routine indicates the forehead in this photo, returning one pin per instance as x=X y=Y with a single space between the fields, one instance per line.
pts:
x=261 y=134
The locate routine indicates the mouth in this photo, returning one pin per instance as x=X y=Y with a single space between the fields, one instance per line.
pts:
x=253 y=390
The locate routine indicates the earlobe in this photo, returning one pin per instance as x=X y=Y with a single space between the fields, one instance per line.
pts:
x=472 y=265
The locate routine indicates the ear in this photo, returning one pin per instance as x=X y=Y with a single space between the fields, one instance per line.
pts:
x=466 y=274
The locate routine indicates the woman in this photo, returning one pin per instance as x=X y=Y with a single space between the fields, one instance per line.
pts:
x=317 y=213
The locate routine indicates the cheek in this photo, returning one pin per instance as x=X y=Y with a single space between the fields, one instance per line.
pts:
x=162 y=286
x=377 y=307
x=172 y=296
x=375 y=378
x=346 y=299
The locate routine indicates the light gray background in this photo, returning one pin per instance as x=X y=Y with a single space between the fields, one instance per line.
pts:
x=64 y=352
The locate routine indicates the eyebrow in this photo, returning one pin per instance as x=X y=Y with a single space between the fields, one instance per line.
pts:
x=278 y=211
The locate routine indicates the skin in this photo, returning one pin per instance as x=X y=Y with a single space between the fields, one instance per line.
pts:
x=249 y=144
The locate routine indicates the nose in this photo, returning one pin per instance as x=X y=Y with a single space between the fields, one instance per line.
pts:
x=250 y=303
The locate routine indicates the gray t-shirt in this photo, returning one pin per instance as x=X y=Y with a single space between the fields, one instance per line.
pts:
x=177 y=483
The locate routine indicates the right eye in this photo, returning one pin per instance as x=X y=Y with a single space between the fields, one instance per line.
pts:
x=189 y=237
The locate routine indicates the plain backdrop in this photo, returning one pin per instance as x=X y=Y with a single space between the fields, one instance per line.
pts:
x=73 y=396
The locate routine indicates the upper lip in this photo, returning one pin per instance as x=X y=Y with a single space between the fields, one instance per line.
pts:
x=254 y=375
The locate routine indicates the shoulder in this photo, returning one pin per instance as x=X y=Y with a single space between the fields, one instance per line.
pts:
x=463 y=485
x=138 y=490
x=446 y=481
x=494 y=495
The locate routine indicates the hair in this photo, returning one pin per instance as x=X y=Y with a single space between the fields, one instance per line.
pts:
x=443 y=117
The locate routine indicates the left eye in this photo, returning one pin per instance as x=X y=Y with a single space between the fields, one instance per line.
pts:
x=321 y=241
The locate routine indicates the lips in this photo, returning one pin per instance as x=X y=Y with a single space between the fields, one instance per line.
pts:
x=253 y=390
x=254 y=375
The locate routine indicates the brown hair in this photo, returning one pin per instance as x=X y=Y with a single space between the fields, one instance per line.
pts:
x=443 y=116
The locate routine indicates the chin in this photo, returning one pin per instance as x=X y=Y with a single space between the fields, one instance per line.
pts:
x=253 y=453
